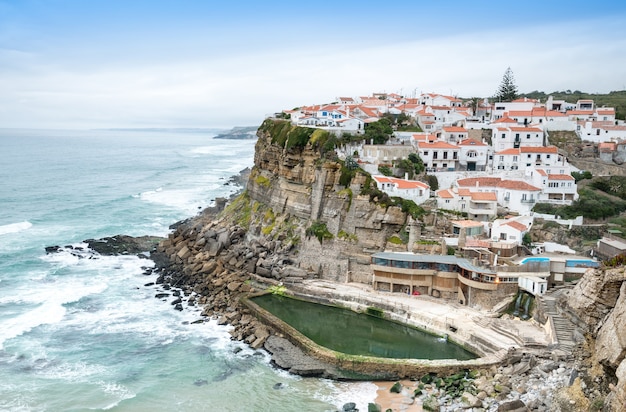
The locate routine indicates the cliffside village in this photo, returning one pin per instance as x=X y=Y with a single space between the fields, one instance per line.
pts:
x=490 y=160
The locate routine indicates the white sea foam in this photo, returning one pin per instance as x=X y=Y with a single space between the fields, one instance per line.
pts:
x=186 y=200
x=15 y=227
x=340 y=393
x=46 y=313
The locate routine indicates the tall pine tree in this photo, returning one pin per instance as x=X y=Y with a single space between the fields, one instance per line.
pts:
x=507 y=91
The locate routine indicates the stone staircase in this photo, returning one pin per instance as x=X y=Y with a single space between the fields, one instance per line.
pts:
x=563 y=328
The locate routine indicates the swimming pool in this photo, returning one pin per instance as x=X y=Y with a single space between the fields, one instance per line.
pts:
x=570 y=263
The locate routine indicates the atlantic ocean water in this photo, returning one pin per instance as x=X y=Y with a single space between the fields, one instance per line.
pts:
x=85 y=334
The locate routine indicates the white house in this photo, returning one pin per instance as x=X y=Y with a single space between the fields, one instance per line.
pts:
x=600 y=131
x=511 y=230
x=516 y=136
x=479 y=206
x=438 y=155
x=434 y=99
x=516 y=195
x=454 y=134
x=473 y=155
x=413 y=190
x=556 y=187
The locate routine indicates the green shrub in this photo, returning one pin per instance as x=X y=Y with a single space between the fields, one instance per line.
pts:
x=385 y=170
x=320 y=231
x=395 y=239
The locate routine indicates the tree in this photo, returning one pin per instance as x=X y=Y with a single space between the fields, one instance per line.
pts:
x=507 y=91
x=379 y=131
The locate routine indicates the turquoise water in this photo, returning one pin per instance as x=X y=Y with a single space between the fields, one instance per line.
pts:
x=86 y=334
x=534 y=259
x=586 y=263
x=345 y=331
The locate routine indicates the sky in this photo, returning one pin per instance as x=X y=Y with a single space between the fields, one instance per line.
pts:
x=78 y=64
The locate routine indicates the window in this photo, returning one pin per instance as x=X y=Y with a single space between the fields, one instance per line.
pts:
x=503 y=135
x=547 y=156
x=516 y=136
x=454 y=155
x=447 y=200
x=523 y=196
x=529 y=156
x=528 y=136
x=445 y=155
x=435 y=154
x=502 y=158
x=425 y=152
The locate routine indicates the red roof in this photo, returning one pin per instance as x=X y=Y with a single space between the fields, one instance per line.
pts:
x=560 y=177
x=471 y=142
x=437 y=145
x=516 y=225
x=484 y=196
x=539 y=149
x=445 y=194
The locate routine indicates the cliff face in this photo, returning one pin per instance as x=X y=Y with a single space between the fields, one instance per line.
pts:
x=298 y=182
x=599 y=302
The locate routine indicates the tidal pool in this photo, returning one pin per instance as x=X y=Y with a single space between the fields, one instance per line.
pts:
x=345 y=331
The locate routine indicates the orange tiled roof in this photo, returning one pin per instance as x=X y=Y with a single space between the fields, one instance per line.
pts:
x=445 y=194
x=526 y=129
x=510 y=151
x=516 y=225
x=478 y=181
x=484 y=196
x=505 y=119
x=539 y=149
x=437 y=145
x=471 y=142
x=455 y=129
x=560 y=177
x=518 y=185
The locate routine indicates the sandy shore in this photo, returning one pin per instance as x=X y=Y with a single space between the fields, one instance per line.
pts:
x=397 y=401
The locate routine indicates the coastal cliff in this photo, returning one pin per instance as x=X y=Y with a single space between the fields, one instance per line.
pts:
x=304 y=214
x=598 y=305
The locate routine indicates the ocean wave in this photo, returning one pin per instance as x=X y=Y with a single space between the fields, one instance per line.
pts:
x=46 y=313
x=15 y=227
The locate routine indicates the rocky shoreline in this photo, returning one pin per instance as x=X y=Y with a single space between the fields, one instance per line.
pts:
x=207 y=261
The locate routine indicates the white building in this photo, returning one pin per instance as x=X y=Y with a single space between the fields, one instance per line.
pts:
x=438 y=155
x=503 y=138
x=555 y=187
x=413 y=190
x=473 y=155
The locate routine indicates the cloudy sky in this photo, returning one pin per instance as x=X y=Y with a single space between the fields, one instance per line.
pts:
x=188 y=63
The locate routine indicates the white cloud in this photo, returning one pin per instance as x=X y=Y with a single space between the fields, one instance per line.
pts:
x=219 y=91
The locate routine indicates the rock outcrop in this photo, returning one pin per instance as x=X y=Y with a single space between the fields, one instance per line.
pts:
x=598 y=303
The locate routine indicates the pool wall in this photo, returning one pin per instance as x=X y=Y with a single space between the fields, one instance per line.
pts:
x=388 y=367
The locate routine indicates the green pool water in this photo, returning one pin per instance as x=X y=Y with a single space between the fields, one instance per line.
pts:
x=345 y=331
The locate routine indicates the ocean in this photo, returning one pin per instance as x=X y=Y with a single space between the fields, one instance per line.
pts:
x=86 y=333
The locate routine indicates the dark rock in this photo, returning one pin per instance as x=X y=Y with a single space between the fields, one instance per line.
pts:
x=201 y=382
x=178 y=307
x=162 y=295
x=278 y=385
x=513 y=406
x=349 y=407
x=123 y=245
